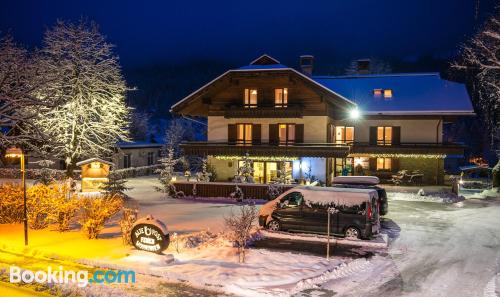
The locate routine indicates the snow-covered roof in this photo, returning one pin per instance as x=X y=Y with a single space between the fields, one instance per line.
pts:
x=88 y=161
x=412 y=93
x=137 y=144
x=263 y=67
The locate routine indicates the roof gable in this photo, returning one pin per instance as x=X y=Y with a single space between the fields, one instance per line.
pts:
x=264 y=60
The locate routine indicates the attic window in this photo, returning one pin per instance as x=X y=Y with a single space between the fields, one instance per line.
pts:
x=377 y=92
x=387 y=93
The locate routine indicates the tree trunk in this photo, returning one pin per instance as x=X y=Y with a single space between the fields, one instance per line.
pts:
x=70 y=168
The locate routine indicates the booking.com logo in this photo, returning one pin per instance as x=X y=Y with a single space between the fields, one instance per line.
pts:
x=60 y=276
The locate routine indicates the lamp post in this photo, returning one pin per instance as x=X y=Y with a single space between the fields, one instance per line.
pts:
x=15 y=152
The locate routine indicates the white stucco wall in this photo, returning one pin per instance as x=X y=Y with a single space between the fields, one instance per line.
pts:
x=418 y=130
x=314 y=127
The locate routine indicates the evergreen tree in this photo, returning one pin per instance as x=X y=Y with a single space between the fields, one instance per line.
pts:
x=115 y=185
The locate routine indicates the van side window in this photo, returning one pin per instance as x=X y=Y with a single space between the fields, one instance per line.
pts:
x=355 y=209
x=293 y=199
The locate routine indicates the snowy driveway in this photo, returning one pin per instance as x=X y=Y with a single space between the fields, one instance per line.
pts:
x=435 y=249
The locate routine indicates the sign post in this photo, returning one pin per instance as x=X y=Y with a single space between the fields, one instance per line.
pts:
x=150 y=234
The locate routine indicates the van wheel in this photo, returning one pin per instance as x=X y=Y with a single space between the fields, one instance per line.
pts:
x=274 y=225
x=351 y=233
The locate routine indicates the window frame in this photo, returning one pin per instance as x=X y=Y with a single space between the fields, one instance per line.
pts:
x=283 y=101
x=384 y=134
x=244 y=141
x=344 y=135
x=287 y=131
x=384 y=164
x=282 y=200
x=247 y=95
x=151 y=158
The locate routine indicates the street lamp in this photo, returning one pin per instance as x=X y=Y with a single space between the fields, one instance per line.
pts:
x=15 y=152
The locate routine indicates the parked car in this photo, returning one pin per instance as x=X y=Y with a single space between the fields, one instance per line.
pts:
x=354 y=212
x=364 y=182
x=473 y=179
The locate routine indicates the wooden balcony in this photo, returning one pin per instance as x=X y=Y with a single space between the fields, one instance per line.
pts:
x=320 y=150
x=263 y=111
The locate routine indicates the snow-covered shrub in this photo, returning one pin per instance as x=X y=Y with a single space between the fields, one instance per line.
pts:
x=64 y=206
x=239 y=226
x=115 y=185
x=39 y=204
x=274 y=190
x=11 y=203
x=237 y=194
x=245 y=171
x=421 y=192
x=96 y=212
x=194 y=191
x=212 y=172
x=197 y=239
x=129 y=216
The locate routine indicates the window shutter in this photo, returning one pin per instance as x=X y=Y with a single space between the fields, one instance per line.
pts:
x=373 y=135
x=273 y=134
x=256 y=134
x=396 y=135
x=394 y=164
x=373 y=164
x=329 y=130
x=299 y=133
x=231 y=133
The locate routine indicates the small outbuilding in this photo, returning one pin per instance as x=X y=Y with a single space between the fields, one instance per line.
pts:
x=95 y=173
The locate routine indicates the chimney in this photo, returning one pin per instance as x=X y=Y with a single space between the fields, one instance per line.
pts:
x=306 y=64
x=363 y=66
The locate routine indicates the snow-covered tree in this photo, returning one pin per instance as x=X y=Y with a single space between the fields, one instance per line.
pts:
x=245 y=172
x=20 y=79
x=240 y=226
x=86 y=80
x=166 y=172
x=115 y=185
x=481 y=62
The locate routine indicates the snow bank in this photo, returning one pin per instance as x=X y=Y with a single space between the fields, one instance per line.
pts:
x=490 y=193
x=212 y=264
x=440 y=197
x=380 y=241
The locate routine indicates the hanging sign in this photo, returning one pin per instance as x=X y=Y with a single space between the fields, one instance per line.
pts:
x=150 y=234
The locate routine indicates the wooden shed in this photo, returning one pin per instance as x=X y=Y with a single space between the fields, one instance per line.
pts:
x=95 y=173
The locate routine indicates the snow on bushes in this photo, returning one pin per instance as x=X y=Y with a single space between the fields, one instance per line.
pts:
x=129 y=217
x=11 y=203
x=95 y=212
x=239 y=226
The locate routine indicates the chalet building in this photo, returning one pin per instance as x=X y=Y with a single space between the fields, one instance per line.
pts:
x=293 y=122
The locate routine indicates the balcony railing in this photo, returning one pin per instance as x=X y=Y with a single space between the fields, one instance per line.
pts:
x=318 y=149
x=264 y=111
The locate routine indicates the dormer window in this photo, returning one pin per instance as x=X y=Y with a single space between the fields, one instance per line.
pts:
x=387 y=93
x=250 y=100
x=281 y=97
x=377 y=92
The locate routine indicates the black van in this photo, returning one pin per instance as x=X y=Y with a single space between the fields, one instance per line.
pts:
x=364 y=182
x=354 y=212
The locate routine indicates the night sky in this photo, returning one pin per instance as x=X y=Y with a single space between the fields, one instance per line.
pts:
x=150 y=32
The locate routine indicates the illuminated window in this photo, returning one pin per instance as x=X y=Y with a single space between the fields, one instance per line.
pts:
x=281 y=97
x=384 y=135
x=244 y=133
x=344 y=134
x=384 y=163
x=250 y=98
x=388 y=93
x=286 y=133
x=377 y=92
